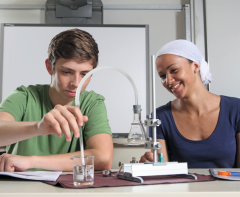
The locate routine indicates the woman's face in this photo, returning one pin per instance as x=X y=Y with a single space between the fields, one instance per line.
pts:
x=177 y=74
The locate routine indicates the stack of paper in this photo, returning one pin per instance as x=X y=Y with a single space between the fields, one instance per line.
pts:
x=35 y=175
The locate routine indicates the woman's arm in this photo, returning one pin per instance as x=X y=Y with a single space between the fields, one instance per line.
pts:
x=238 y=150
x=148 y=156
x=163 y=150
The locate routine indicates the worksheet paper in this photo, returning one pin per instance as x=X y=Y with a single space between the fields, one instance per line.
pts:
x=34 y=175
x=214 y=172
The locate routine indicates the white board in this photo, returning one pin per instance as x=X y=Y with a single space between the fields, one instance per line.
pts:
x=126 y=47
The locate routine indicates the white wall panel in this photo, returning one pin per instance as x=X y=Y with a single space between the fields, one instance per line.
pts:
x=223 y=41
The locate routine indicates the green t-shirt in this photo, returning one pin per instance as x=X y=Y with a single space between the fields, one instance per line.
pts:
x=32 y=103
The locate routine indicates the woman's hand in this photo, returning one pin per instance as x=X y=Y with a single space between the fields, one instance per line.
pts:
x=147 y=157
x=61 y=120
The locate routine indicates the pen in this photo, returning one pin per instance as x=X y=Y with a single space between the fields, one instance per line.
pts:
x=227 y=173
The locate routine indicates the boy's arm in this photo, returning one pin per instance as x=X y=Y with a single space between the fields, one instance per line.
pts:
x=100 y=146
x=12 y=131
x=58 y=121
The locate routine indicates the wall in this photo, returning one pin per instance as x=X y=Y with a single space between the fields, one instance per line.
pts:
x=223 y=41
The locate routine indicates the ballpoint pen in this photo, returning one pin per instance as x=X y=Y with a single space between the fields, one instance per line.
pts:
x=228 y=173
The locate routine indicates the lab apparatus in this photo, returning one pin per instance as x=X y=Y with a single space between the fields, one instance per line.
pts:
x=140 y=135
x=136 y=171
x=137 y=135
x=81 y=170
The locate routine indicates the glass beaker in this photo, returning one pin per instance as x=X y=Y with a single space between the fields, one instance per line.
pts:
x=83 y=170
x=137 y=134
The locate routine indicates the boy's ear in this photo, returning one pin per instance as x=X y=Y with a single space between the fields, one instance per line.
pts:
x=48 y=66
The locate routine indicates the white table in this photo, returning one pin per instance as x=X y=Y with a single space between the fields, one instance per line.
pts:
x=219 y=188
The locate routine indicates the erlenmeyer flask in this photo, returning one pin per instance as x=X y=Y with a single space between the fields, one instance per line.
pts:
x=137 y=134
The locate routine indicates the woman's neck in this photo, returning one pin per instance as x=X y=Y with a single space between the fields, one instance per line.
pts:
x=198 y=101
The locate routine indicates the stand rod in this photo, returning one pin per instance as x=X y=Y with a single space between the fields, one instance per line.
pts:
x=153 y=106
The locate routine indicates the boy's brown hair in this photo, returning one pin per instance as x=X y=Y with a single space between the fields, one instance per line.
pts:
x=73 y=43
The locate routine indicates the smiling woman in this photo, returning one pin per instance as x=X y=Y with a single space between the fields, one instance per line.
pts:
x=197 y=127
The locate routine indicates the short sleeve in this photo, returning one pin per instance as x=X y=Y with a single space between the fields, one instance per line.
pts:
x=97 y=120
x=15 y=103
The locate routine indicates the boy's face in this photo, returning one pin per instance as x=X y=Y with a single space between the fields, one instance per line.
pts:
x=66 y=77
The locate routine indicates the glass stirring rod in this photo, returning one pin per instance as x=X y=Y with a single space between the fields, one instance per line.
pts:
x=81 y=145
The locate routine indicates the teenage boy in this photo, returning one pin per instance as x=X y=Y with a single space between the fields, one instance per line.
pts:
x=39 y=124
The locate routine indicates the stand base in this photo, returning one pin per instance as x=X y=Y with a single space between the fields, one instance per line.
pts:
x=154 y=169
x=129 y=177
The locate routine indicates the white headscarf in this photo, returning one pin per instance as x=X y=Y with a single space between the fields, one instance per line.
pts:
x=187 y=49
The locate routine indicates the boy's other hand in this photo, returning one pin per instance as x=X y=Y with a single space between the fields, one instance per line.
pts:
x=11 y=163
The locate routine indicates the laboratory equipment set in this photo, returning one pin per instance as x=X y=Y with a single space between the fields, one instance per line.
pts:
x=132 y=171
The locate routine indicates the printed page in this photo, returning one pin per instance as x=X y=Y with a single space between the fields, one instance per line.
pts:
x=35 y=175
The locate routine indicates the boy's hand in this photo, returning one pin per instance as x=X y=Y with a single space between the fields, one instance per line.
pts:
x=11 y=163
x=61 y=120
